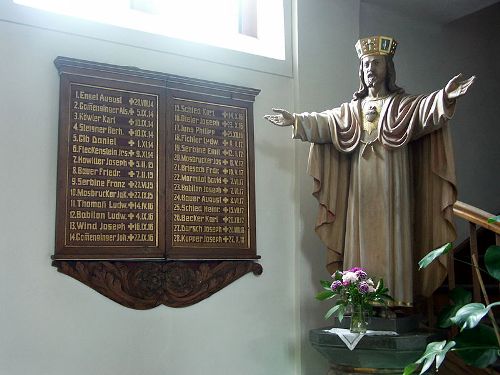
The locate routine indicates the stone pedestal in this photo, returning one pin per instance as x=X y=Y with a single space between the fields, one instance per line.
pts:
x=373 y=354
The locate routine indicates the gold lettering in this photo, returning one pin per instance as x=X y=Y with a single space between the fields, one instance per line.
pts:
x=110 y=99
x=116 y=163
x=90 y=237
x=109 y=172
x=211 y=209
x=103 y=140
x=76 y=214
x=112 y=226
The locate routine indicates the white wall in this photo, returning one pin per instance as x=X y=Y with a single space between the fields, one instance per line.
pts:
x=326 y=74
x=52 y=324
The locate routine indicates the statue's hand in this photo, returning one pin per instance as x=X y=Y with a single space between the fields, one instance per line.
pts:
x=283 y=117
x=458 y=87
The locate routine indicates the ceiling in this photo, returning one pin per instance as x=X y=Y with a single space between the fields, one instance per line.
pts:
x=440 y=11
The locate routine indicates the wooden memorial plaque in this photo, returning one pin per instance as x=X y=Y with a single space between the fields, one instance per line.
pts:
x=210 y=180
x=153 y=167
x=111 y=172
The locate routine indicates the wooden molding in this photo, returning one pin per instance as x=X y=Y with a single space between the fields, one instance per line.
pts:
x=147 y=284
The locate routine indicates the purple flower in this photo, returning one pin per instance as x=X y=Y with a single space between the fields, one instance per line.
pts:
x=363 y=287
x=355 y=269
x=336 y=284
x=361 y=274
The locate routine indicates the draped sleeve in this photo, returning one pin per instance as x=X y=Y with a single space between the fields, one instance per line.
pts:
x=334 y=134
x=339 y=126
x=405 y=118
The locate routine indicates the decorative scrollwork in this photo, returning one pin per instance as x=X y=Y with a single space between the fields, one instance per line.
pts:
x=145 y=285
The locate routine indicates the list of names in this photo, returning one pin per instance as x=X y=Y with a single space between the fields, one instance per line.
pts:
x=112 y=174
x=210 y=203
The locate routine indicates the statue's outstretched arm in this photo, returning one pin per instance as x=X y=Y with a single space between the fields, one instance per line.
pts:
x=458 y=87
x=283 y=118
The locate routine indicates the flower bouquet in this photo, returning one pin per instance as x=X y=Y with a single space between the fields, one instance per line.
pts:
x=354 y=291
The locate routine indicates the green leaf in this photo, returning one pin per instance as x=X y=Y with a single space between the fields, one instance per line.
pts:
x=492 y=261
x=410 y=369
x=460 y=298
x=471 y=314
x=341 y=313
x=325 y=283
x=335 y=310
x=478 y=347
x=440 y=356
x=434 y=351
x=325 y=294
x=494 y=219
x=380 y=286
x=425 y=261
x=386 y=296
x=337 y=275
x=444 y=317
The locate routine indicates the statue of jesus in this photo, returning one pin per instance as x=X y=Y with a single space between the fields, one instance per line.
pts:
x=383 y=173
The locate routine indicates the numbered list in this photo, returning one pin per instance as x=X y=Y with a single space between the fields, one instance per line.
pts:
x=209 y=197
x=112 y=195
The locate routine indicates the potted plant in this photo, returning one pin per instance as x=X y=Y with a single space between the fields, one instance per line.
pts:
x=353 y=291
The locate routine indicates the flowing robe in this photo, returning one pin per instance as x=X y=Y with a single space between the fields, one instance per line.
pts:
x=384 y=200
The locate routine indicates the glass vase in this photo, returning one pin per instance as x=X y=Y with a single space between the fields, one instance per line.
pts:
x=358 y=320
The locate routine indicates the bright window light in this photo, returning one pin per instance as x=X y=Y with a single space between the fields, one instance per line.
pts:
x=252 y=26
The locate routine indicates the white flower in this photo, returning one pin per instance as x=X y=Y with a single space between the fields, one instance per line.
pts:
x=371 y=289
x=370 y=282
x=349 y=277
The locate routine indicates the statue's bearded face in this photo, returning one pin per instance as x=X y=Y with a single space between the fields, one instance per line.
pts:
x=374 y=70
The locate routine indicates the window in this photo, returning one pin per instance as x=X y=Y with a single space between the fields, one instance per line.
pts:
x=252 y=26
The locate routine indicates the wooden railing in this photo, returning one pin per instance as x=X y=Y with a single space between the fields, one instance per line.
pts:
x=475 y=217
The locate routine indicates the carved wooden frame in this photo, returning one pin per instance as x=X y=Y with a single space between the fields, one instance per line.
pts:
x=145 y=285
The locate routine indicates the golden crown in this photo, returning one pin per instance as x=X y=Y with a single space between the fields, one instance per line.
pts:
x=376 y=45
